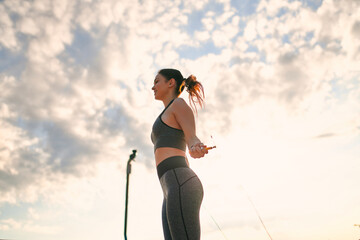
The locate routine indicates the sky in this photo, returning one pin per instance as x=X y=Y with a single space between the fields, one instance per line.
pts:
x=282 y=105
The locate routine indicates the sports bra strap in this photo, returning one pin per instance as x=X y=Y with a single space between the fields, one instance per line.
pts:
x=166 y=107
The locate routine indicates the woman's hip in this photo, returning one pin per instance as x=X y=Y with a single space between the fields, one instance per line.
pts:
x=178 y=178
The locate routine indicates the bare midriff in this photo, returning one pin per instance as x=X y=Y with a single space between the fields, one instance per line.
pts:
x=164 y=152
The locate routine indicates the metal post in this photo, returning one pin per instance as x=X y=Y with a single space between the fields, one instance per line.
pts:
x=128 y=171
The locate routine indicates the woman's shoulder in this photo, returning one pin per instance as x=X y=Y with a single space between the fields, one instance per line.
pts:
x=179 y=100
x=180 y=104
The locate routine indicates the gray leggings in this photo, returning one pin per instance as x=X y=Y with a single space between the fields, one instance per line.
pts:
x=183 y=194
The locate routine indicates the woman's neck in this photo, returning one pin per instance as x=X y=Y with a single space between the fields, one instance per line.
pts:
x=167 y=100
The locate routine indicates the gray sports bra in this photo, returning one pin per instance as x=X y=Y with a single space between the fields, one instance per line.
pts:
x=162 y=135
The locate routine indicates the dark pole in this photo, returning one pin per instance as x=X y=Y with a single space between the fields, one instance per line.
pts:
x=128 y=171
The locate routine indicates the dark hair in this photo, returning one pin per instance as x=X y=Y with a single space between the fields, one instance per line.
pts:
x=194 y=88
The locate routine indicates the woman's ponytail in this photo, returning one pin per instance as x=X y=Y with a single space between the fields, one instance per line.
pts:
x=193 y=87
x=195 y=90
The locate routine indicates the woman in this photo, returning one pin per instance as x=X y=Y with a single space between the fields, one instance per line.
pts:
x=171 y=132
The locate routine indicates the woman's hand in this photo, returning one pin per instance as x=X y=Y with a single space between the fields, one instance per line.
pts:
x=198 y=150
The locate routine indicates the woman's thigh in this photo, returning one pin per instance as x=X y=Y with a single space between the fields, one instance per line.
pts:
x=183 y=203
x=166 y=230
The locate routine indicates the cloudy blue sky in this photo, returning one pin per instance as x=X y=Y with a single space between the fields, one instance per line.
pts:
x=282 y=87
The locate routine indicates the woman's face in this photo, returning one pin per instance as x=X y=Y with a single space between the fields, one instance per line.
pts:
x=160 y=87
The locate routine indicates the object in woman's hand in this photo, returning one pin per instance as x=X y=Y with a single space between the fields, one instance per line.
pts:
x=208 y=148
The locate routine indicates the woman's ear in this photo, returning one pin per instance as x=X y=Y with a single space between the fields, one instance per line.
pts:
x=172 y=82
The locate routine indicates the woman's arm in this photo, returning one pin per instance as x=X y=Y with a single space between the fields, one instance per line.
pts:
x=187 y=161
x=185 y=117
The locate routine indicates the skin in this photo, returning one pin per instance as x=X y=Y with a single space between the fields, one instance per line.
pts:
x=178 y=115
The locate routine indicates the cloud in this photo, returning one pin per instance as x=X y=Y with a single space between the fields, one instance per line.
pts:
x=76 y=90
x=69 y=114
x=8 y=39
x=325 y=135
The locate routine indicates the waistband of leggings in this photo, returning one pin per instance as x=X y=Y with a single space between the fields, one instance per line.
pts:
x=170 y=163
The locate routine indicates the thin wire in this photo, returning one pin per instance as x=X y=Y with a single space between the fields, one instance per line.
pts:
x=216 y=223
x=257 y=213
x=252 y=203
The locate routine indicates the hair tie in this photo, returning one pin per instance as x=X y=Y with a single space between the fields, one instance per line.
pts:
x=186 y=82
